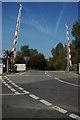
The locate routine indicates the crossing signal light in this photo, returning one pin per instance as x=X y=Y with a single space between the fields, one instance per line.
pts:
x=8 y=53
x=4 y=54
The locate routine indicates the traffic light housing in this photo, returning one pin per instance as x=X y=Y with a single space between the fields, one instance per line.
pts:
x=4 y=54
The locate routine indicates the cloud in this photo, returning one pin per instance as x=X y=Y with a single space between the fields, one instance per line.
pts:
x=58 y=21
x=38 y=24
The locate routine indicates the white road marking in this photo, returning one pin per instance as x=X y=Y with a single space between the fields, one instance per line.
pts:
x=74 y=116
x=20 y=88
x=26 y=92
x=12 y=89
x=16 y=85
x=66 y=82
x=33 y=96
x=46 y=72
x=42 y=100
x=13 y=83
x=45 y=102
x=6 y=84
x=9 y=86
x=10 y=81
x=17 y=93
x=59 y=109
x=48 y=75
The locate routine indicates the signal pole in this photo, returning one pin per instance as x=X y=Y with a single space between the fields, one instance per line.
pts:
x=7 y=65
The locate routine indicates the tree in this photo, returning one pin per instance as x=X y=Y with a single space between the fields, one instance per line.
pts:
x=33 y=52
x=76 y=34
x=25 y=50
x=50 y=63
x=59 y=54
x=19 y=58
x=37 y=62
x=75 y=46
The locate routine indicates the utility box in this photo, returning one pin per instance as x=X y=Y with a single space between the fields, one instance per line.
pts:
x=79 y=68
x=20 y=67
x=1 y=68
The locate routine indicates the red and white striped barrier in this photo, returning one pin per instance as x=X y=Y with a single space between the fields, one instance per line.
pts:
x=16 y=33
x=68 y=45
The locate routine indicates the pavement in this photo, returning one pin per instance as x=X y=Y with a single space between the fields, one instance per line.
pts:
x=41 y=94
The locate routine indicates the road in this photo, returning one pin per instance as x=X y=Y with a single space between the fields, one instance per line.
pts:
x=41 y=94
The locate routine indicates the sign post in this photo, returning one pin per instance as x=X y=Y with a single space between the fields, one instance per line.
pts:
x=7 y=65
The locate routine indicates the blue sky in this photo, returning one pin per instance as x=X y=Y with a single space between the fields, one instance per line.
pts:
x=42 y=24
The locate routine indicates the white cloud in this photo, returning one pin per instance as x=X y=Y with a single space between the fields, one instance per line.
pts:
x=58 y=21
x=39 y=24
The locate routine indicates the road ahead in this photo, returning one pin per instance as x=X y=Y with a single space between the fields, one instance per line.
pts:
x=40 y=94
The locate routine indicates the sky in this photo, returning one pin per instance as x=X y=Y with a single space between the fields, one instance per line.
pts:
x=42 y=24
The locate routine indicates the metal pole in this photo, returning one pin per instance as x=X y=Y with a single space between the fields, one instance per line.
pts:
x=7 y=65
x=67 y=59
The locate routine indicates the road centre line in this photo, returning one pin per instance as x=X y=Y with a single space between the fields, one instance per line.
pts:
x=74 y=116
x=26 y=92
x=12 y=89
x=59 y=109
x=45 y=102
x=33 y=96
x=9 y=86
x=6 y=84
x=55 y=107
x=66 y=82
x=16 y=85
x=20 y=88
x=10 y=81
x=13 y=83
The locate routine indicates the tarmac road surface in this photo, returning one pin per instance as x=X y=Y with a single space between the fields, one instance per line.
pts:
x=41 y=94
